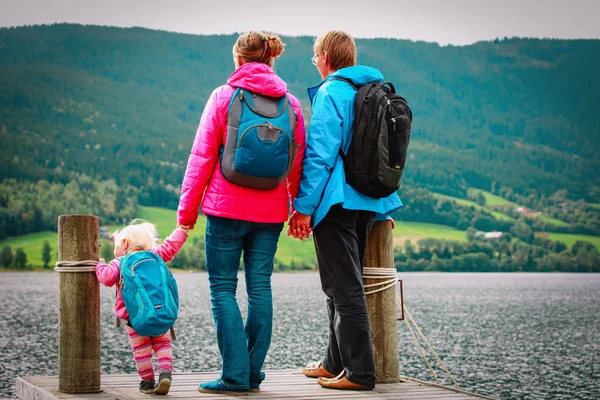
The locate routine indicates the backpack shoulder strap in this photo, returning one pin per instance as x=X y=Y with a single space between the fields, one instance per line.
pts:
x=348 y=81
x=234 y=111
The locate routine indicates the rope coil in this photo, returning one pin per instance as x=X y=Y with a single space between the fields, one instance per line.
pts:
x=76 y=266
x=380 y=273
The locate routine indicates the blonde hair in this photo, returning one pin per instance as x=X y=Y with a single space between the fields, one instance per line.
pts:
x=255 y=46
x=340 y=48
x=138 y=232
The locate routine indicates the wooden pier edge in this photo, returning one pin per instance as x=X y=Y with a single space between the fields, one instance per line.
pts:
x=279 y=384
x=453 y=389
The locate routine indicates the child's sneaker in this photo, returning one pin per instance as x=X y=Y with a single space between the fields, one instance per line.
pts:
x=164 y=382
x=147 y=386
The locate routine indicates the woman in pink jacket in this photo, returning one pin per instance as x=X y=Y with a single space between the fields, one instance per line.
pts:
x=241 y=220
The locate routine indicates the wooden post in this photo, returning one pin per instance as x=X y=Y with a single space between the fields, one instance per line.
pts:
x=79 y=307
x=382 y=305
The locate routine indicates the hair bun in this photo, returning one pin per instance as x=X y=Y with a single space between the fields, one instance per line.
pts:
x=274 y=44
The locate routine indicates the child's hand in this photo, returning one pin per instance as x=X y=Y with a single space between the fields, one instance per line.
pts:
x=102 y=260
x=185 y=228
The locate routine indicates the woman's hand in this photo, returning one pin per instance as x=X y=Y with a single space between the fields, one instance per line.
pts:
x=299 y=226
x=185 y=228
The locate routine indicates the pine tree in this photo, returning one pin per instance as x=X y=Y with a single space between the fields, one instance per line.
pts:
x=46 y=250
x=20 y=258
x=6 y=257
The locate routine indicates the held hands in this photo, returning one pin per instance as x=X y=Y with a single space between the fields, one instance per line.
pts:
x=299 y=226
x=185 y=228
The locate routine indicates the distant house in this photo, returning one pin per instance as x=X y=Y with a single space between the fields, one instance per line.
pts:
x=527 y=211
x=490 y=235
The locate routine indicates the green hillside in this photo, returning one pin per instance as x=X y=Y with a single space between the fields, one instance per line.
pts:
x=124 y=104
x=101 y=120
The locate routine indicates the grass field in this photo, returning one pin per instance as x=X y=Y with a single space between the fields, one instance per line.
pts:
x=569 y=239
x=32 y=244
x=165 y=221
x=469 y=203
x=552 y=221
x=493 y=200
x=289 y=249
x=414 y=231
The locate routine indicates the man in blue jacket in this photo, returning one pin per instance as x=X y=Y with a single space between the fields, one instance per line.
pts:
x=338 y=215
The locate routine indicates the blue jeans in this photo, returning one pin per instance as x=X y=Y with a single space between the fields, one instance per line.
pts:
x=243 y=348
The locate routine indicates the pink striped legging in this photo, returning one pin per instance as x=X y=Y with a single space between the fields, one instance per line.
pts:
x=142 y=347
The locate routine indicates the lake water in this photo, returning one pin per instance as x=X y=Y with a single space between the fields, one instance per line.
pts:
x=514 y=336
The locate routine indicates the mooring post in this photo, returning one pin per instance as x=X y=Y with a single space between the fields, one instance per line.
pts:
x=79 y=306
x=382 y=304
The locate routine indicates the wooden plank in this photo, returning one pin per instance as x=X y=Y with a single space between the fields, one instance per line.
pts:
x=279 y=384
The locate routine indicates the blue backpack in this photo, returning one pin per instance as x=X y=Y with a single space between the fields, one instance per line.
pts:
x=259 y=149
x=149 y=292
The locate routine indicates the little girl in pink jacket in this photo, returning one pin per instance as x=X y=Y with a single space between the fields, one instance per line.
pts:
x=137 y=237
x=240 y=221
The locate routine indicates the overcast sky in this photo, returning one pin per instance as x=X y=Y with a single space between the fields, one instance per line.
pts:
x=453 y=21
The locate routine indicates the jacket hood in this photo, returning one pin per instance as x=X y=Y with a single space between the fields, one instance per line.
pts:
x=359 y=74
x=258 y=78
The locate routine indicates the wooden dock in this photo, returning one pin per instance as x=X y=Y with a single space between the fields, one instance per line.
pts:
x=280 y=384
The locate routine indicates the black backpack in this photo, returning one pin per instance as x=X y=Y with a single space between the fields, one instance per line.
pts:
x=380 y=135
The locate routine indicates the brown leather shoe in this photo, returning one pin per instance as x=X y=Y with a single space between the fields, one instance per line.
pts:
x=316 y=370
x=342 y=383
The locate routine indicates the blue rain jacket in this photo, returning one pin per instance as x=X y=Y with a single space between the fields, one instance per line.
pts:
x=323 y=180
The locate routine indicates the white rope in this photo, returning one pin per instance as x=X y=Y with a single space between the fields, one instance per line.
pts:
x=430 y=347
x=421 y=350
x=391 y=276
x=76 y=266
x=388 y=272
x=380 y=273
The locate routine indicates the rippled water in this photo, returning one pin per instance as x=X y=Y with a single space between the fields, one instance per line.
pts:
x=520 y=336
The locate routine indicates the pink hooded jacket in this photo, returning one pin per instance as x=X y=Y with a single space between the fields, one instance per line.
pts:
x=109 y=274
x=204 y=183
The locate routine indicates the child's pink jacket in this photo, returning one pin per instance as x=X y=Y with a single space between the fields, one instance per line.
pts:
x=109 y=274
x=204 y=183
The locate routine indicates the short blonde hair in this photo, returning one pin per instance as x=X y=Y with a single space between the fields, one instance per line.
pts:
x=340 y=48
x=138 y=232
x=255 y=46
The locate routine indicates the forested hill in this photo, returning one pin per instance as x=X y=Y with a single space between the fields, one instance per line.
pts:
x=517 y=115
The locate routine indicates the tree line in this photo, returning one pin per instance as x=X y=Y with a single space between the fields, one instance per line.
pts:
x=506 y=254
x=18 y=259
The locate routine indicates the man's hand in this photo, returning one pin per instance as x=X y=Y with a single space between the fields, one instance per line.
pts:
x=299 y=226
